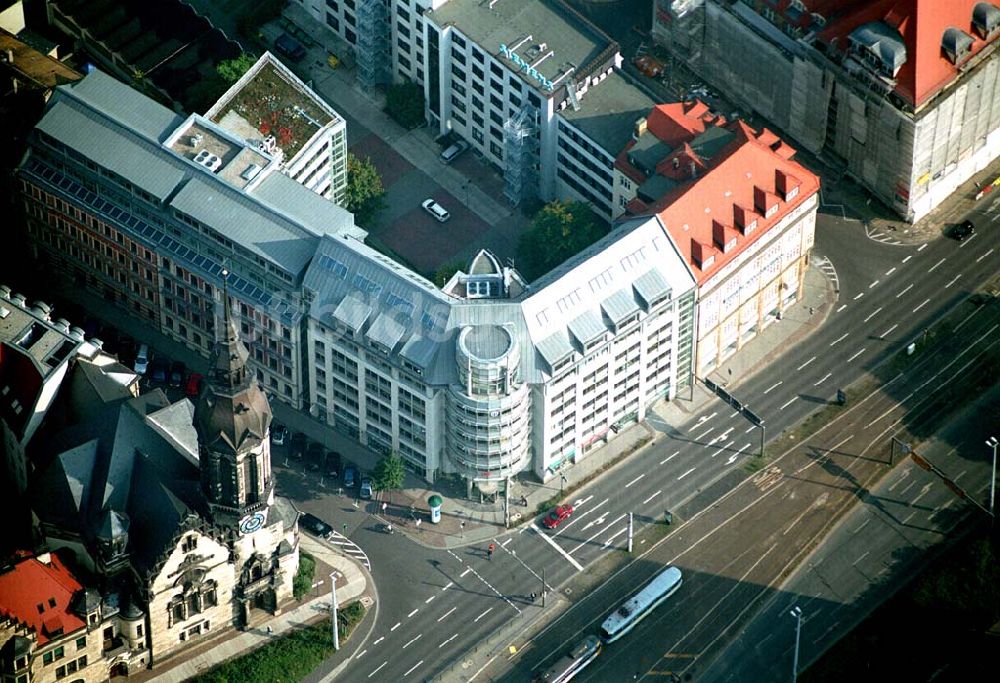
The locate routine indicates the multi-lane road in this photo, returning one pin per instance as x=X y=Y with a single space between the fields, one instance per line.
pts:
x=437 y=605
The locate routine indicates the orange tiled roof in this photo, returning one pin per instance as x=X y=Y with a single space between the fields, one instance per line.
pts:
x=708 y=219
x=39 y=594
x=921 y=23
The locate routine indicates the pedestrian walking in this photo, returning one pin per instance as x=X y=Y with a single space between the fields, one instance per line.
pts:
x=532 y=596
x=384 y=506
x=270 y=630
x=490 y=549
x=418 y=524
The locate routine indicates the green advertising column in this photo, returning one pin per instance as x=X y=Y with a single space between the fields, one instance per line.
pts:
x=435 y=504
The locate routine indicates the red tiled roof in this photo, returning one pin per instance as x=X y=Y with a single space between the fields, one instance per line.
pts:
x=921 y=24
x=29 y=590
x=746 y=178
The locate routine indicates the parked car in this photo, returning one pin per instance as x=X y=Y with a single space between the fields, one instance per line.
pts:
x=177 y=372
x=126 y=350
x=141 y=365
x=366 y=487
x=332 y=464
x=453 y=151
x=557 y=516
x=298 y=445
x=159 y=370
x=279 y=434
x=350 y=476
x=314 y=456
x=290 y=47
x=193 y=387
x=315 y=525
x=433 y=208
x=963 y=230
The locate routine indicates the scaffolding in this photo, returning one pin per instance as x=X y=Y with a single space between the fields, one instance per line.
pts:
x=372 y=50
x=519 y=155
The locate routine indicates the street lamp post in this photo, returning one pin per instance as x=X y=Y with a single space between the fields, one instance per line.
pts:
x=333 y=609
x=797 y=613
x=562 y=482
x=992 y=443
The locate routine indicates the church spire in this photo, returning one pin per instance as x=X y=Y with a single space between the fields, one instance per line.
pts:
x=229 y=358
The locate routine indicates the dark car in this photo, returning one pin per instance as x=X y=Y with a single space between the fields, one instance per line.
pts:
x=290 y=47
x=315 y=525
x=279 y=434
x=963 y=231
x=332 y=465
x=557 y=516
x=126 y=351
x=314 y=456
x=177 y=372
x=350 y=476
x=298 y=448
x=159 y=370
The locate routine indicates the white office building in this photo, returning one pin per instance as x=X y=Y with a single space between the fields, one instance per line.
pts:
x=488 y=377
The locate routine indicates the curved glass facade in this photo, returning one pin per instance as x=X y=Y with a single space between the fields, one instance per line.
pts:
x=488 y=413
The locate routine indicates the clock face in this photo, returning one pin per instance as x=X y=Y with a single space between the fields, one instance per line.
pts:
x=252 y=522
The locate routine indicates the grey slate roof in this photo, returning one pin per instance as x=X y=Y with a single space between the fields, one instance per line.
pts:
x=108 y=146
x=587 y=327
x=314 y=213
x=125 y=105
x=619 y=306
x=386 y=330
x=555 y=347
x=651 y=286
x=608 y=112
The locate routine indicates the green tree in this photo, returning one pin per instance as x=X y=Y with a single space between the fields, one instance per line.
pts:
x=560 y=230
x=389 y=473
x=232 y=70
x=365 y=193
x=404 y=102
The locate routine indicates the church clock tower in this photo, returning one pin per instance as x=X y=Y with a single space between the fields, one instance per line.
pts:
x=232 y=418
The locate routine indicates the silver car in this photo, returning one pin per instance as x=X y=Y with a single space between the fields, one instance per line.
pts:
x=436 y=210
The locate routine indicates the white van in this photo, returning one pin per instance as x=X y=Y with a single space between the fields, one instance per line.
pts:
x=142 y=360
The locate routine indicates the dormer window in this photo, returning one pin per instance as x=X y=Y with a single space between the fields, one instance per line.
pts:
x=956 y=44
x=792 y=194
x=773 y=209
x=985 y=19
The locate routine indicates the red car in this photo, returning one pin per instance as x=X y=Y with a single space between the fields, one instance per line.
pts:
x=557 y=515
x=193 y=386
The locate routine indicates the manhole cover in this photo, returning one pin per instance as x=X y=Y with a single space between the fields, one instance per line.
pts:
x=367 y=601
x=568 y=591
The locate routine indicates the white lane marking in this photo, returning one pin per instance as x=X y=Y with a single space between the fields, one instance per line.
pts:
x=686 y=473
x=788 y=403
x=805 y=364
x=836 y=341
x=669 y=458
x=907 y=258
x=555 y=545
x=855 y=355
x=427 y=601
x=577 y=518
x=445 y=642
x=398 y=623
x=378 y=669
x=415 y=610
x=410 y=670
x=984 y=256
x=446 y=614
x=578 y=502
x=361 y=654
x=842 y=307
x=738 y=453
x=964 y=242
x=873 y=284
x=599 y=532
x=749 y=429
x=413 y=640
x=635 y=480
x=922 y=247
x=704 y=434
x=873 y=313
x=608 y=541
x=888 y=332
x=953 y=281
x=704 y=418
x=862 y=556
x=379 y=640
x=908 y=288
x=926 y=301
x=652 y=496
x=504 y=544
x=931 y=269
x=859 y=295
x=450 y=584
x=826 y=377
x=890 y=271
x=482 y=615
x=467 y=570
x=862 y=526
x=774 y=386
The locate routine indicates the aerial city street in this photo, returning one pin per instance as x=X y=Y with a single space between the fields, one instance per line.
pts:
x=499 y=340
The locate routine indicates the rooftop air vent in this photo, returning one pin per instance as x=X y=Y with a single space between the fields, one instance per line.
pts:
x=268 y=144
x=196 y=140
x=4 y=292
x=61 y=324
x=250 y=172
x=208 y=160
x=77 y=333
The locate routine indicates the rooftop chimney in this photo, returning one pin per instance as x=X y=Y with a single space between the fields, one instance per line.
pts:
x=641 y=126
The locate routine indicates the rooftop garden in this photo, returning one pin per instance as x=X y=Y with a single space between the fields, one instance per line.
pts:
x=276 y=107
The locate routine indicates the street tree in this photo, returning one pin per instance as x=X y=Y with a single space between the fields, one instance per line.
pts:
x=365 y=192
x=558 y=231
x=232 y=70
x=404 y=102
x=389 y=473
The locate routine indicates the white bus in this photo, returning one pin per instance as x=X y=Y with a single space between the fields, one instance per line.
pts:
x=635 y=609
x=572 y=663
